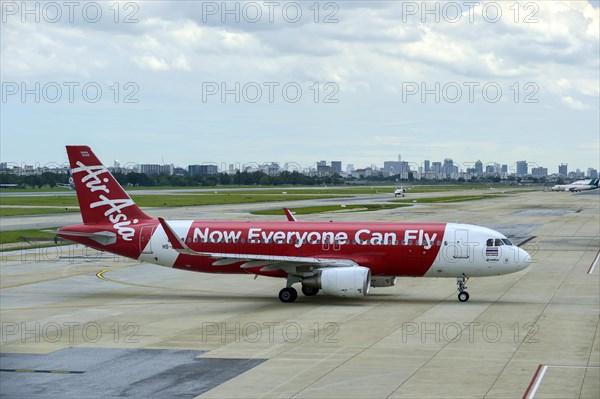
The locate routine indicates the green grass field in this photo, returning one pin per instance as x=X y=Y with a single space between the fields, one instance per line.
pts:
x=7 y=237
x=34 y=211
x=331 y=208
x=170 y=200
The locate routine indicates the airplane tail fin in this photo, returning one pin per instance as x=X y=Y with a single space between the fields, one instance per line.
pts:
x=101 y=197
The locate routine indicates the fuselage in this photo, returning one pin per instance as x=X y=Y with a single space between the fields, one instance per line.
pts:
x=390 y=249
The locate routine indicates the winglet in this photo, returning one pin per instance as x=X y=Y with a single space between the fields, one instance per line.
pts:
x=289 y=215
x=177 y=243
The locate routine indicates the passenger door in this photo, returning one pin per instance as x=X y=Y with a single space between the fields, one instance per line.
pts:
x=461 y=244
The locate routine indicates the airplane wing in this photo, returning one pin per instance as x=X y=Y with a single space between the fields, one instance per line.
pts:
x=290 y=265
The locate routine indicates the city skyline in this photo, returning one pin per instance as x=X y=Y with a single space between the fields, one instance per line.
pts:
x=391 y=167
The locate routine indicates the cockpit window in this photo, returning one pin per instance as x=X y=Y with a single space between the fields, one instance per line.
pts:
x=507 y=241
x=490 y=242
x=498 y=242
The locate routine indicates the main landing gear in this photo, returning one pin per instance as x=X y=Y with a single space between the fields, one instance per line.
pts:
x=289 y=293
x=463 y=295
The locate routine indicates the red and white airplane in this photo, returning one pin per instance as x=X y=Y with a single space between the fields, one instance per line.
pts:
x=341 y=259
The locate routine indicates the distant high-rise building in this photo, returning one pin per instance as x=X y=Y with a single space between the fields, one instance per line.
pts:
x=202 y=170
x=492 y=169
x=323 y=169
x=448 y=169
x=592 y=173
x=336 y=167
x=521 y=168
x=504 y=168
x=562 y=169
x=426 y=165
x=155 y=169
x=271 y=168
x=350 y=168
x=395 y=167
x=539 y=172
x=576 y=174
x=479 y=167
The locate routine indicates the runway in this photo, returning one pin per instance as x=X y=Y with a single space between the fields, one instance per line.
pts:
x=74 y=317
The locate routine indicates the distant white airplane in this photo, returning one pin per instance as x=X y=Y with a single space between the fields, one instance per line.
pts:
x=399 y=192
x=579 y=185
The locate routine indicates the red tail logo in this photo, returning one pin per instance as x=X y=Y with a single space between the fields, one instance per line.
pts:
x=101 y=198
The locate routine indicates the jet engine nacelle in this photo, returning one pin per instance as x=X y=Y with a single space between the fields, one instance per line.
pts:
x=351 y=281
x=383 y=281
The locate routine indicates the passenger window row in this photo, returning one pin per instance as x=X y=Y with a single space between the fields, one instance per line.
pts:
x=364 y=242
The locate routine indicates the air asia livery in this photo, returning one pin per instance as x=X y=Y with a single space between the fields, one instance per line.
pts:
x=341 y=259
x=579 y=185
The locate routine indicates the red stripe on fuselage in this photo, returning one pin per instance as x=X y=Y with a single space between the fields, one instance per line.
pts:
x=317 y=240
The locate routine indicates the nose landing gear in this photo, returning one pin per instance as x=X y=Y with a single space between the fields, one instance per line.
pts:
x=463 y=295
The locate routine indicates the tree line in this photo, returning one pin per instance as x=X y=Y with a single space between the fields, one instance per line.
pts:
x=52 y=179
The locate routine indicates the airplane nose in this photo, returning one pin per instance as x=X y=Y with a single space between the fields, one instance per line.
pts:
x=525 y=259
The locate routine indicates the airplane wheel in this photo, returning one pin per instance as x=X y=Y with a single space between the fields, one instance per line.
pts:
x=463 y=296
x=309 y=291
x=288 y=295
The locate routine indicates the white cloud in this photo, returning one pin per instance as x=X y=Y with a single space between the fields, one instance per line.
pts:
x=151 y=63
x=574 y=104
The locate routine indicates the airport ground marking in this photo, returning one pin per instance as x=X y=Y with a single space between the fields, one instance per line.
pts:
x=101 y=275
x=594 y=263
x=525 y=241
x=538 y=376
x=43 y=371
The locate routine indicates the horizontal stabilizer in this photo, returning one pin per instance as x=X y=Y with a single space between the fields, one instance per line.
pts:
x=101 y=237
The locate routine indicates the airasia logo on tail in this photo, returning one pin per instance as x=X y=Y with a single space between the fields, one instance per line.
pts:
x=94 y=182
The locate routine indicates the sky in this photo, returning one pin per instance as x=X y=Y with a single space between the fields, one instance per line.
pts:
x=188 y=82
